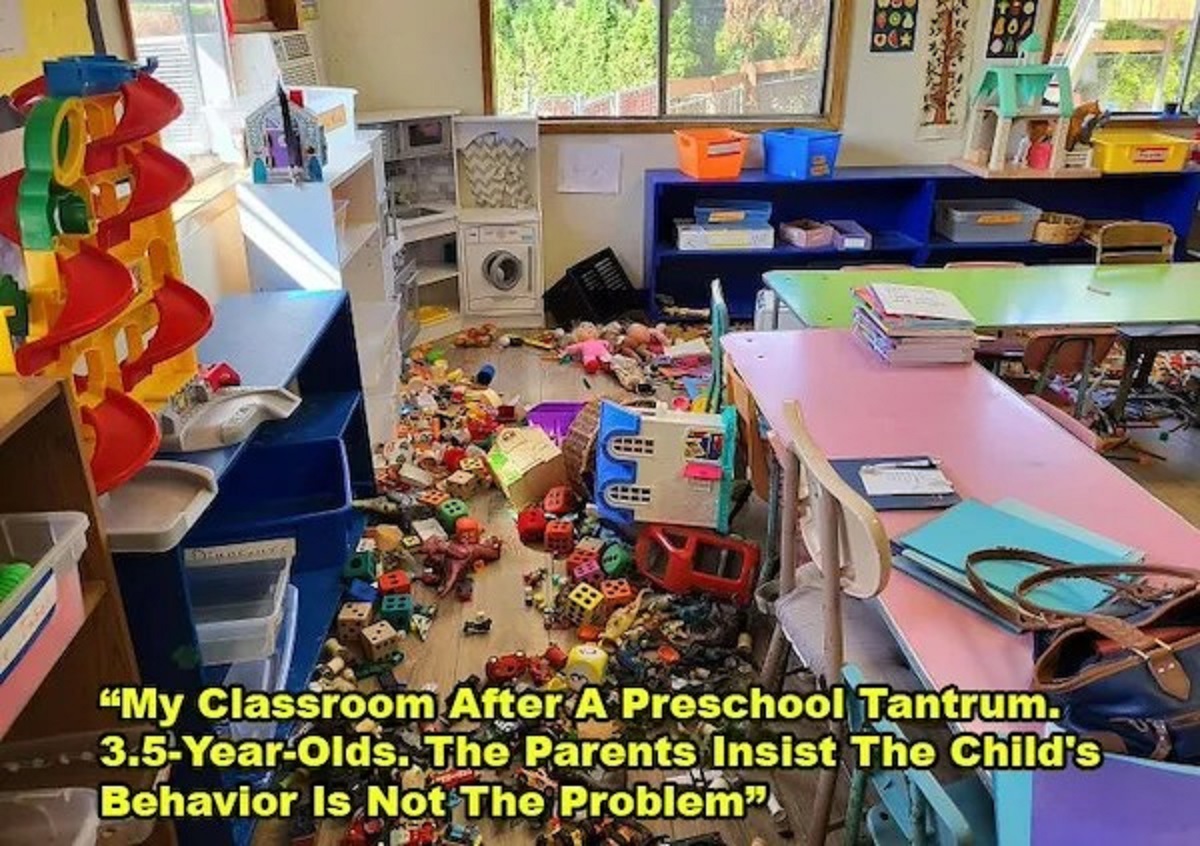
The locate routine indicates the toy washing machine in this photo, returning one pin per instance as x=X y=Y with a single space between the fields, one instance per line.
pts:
x=501 y=269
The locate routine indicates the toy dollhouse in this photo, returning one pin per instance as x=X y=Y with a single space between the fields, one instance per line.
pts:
x=1012 y=130
x=268 y=146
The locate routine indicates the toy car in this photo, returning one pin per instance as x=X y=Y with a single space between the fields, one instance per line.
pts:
x=540 y=671
x=482 y=624
x=538 y=780
x=451 y=779
x=467 y=835
x=506 y=668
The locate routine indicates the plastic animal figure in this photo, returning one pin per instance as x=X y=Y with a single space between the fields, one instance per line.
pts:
x=449 y=560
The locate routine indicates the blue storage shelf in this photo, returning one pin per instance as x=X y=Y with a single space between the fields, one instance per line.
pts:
x=896 y=204
x=293 y=477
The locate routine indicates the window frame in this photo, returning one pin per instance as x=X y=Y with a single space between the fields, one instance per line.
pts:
x=837 y=65
x=1131 y=118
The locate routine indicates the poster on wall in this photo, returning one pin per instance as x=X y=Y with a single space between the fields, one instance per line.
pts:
x=947 y=52
x=12 y=28
x=1012 y=23
x=894 y=26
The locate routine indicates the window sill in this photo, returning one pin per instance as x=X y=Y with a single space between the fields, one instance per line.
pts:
x=210 y=196
x=623 y=126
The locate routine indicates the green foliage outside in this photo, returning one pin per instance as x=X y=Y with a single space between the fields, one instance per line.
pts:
x=595 y=47
x=1129 y=81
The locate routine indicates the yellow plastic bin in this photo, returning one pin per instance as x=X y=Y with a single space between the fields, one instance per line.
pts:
x=1140 y=151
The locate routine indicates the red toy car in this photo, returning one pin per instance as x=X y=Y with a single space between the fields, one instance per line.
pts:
x=506 y=668
x=451 y=779
x=540 y=671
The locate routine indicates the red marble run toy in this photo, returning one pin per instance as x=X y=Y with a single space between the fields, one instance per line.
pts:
x=682 y=560
x=108 y=309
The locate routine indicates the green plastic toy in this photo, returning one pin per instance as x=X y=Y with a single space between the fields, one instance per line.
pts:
x=361 y=566
x=617 y=560
x=449 y=512
x=11 y=296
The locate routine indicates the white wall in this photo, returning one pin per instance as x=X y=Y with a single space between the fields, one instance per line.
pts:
x=427 y=52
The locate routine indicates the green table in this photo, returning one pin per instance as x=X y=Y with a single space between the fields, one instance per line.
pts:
x=1049 y=295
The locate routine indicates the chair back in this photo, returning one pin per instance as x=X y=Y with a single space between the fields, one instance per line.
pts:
x=720 y=328
x=1135 y=242
x=914 y=807
x=1067 y=352
x=841 y=530
x=982 y=265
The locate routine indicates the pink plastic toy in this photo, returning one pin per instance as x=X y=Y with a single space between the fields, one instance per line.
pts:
x=589 y=348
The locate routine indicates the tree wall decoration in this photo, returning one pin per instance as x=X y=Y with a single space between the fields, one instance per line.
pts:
x=946 y=69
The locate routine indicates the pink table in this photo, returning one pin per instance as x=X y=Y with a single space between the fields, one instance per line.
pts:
x=993 y=445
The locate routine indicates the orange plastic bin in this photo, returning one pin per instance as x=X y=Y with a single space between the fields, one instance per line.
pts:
x=711 y=153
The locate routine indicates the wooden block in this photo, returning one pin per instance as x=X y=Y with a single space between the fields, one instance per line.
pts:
x=380 y=641
x=352 y=619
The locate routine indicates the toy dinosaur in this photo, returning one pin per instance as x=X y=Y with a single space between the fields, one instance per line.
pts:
x=450 y=560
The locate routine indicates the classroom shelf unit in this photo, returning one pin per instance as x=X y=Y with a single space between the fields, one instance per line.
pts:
x=897 y=205
x=304 y=340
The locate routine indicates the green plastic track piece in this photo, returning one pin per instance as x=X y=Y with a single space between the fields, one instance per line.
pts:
x=46 y=209
x=12 y=296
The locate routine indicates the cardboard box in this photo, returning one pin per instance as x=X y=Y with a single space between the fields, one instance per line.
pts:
x=526 y=464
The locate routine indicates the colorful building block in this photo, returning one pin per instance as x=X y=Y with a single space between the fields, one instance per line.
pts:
x=397 y=581
x=380 y=641
x=434 y=498
x=450 y=511
x=588 y=571
x=560 y=537
x=558 y=501
x=587 y=662
x=583 y=604
x=617 y=592
x=594 y=545
x=387 y=537
x=397 y=609
x=617 y=560
x=361 y=566
x=411 y=543
x=352 y=618
x=478 y=467
x=462 y=484
x=360 y=591
x=531 y=525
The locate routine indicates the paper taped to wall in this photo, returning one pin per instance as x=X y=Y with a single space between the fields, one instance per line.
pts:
x=12 y=28
x=588 y=168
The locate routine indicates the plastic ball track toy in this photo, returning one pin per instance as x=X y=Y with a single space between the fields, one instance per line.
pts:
x=108 y=309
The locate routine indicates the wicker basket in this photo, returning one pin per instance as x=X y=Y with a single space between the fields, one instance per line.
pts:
x=1054 y=228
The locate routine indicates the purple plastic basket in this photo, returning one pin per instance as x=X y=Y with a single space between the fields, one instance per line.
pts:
x=555 y=418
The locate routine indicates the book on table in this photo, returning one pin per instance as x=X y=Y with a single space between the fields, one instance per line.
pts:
x=936 y=553
x=911 y=325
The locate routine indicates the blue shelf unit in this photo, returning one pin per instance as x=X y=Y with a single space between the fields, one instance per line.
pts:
x=897 y=205
x=293 y=477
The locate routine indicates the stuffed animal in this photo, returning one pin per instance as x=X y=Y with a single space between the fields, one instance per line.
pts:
x=640 y=341
x=589 y=348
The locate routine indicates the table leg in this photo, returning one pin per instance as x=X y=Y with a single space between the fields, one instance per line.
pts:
x=774 y=309
x=771 y=553
x=1132 y=365
x=1142 y=379
x=776 y=658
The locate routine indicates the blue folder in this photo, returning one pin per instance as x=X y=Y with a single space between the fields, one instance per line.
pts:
x=944 y=543
x=848 y=469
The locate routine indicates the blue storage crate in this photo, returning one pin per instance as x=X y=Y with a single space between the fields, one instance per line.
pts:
x=733 y=212
x=299 y=491
x=801 y=153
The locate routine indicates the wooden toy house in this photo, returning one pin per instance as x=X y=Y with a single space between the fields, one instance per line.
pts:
x=1012 y=130
x=267 y=144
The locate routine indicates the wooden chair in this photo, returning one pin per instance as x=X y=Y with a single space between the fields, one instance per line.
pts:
x=913 y=807
x=993 y=354
x=849 y=553
x=1067 y=352
x=1135 y=242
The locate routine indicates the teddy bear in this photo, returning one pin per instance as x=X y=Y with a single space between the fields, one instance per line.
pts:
x=642 y=342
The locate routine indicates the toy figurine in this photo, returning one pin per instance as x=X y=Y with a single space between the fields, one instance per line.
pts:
x=449 y=560
x=592 y=350
x=642 y=342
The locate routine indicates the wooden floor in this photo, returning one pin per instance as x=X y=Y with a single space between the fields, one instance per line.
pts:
x=448 y=656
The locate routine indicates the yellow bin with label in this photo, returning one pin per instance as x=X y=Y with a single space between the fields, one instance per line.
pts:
x=1140 y=151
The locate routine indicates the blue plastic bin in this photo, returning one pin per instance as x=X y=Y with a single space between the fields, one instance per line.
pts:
x=734 y=212
x=801 y=153
x=299 y=491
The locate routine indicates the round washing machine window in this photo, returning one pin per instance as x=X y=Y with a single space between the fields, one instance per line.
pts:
x=503 y=270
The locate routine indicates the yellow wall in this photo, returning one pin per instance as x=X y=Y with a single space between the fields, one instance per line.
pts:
x=52 y=28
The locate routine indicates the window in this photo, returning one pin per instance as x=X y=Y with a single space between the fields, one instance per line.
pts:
x=1130 y=55
x=679 y=60
x=188 y=38
x=627 y=496
x=629 y=446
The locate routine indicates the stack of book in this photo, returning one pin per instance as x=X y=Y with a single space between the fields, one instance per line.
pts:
x=908 y=324
x=936 y=553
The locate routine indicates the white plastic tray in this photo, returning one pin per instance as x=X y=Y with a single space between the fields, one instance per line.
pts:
x=267 y=675
x=156 y=508
x=66 y=817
